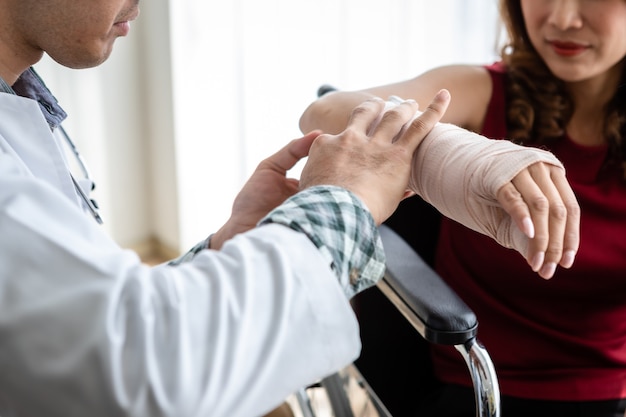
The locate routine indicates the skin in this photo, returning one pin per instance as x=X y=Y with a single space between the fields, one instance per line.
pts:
x=596 y=32
x=596 y=28
x=379 y=176
x=76 y=34
x=81 y=34
x=539 y=199
x=539 y=194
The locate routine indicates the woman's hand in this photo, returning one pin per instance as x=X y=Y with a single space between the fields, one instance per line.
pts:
x=543 y=206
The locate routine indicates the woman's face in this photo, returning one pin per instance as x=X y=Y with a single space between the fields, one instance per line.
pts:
x=577 y=39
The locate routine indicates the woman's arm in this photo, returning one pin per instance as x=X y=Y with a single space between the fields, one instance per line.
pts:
x=518 y=196
x=469 y=86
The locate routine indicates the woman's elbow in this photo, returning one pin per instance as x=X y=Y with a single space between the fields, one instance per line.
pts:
x=306 y=119
x=324 y=114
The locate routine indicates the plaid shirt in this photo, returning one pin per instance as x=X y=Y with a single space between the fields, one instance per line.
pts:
x=339 y=225
x=342 y=228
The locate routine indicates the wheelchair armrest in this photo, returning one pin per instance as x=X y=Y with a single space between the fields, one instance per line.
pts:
x=325 y=88
x=432 y=307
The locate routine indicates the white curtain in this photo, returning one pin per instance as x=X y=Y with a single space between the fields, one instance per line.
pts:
x=202 y=90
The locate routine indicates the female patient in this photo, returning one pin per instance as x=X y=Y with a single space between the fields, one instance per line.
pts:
x=559 y=345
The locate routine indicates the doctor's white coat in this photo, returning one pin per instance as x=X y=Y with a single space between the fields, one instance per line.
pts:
x=87 y=330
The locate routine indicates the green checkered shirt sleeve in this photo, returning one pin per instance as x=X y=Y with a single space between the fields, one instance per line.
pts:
x=338 y=223
x=191 y=253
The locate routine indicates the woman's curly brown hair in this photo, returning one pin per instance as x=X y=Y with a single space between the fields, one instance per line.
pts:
x=539 y=106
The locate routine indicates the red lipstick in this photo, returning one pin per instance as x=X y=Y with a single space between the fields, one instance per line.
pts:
x=567 y=49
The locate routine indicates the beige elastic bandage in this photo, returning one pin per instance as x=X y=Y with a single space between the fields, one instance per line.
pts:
x=460 y=172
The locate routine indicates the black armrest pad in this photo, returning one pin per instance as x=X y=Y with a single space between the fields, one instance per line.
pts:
x=445 y=317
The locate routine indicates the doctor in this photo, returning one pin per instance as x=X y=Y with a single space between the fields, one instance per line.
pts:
x=87 y=330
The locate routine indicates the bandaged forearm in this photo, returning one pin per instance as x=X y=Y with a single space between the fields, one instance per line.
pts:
x=460 y=173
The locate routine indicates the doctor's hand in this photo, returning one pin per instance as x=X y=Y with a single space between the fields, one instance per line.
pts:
x=374 y=164
x=265 y=189
x=543 y=205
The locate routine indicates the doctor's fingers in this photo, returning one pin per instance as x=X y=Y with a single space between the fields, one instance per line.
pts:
x=420 y=126
x=392 y=123
x=364 y=115
x=289 y=155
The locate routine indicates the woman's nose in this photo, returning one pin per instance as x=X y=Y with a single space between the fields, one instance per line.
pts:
x=566 y=14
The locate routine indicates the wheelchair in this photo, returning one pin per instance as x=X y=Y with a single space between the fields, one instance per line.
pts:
x=410 y=308
x=428 y=306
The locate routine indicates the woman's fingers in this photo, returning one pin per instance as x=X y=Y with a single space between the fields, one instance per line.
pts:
x=541 y=195
x=526 y=202
x=560 y=231
x=571 y=238
x=512 y=202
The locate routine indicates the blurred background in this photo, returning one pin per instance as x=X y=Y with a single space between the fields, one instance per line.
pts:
x=180 y=115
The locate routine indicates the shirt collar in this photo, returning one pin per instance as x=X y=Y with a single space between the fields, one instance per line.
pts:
x=5 y=88
x=30 y=85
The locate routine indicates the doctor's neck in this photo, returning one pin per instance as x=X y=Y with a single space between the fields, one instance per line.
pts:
x=13 y=65
x=9 y=75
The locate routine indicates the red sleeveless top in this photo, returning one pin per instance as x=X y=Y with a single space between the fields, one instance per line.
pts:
x=561 y=339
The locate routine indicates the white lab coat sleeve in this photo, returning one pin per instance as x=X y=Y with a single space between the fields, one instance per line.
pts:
x=87 y=330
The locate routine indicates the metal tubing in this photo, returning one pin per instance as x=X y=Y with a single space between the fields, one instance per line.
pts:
x=482 y=371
